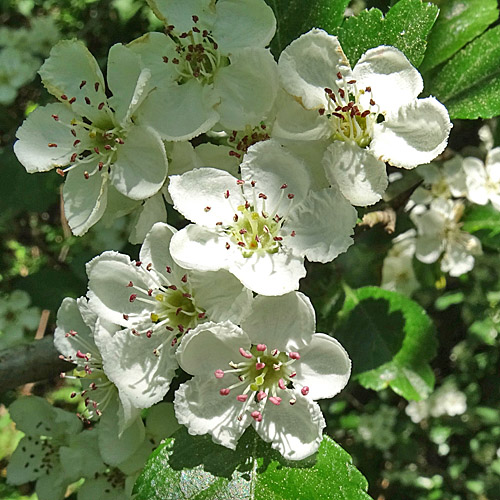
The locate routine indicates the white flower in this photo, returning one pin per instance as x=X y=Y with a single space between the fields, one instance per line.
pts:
x=261 y=227
x=155 y=302
x=483 y=179
x=267 y=373
x=448 y=400
x=369 y=115
x=439 y=233
x=211 y=67
x=398 y=274
x=93 y=136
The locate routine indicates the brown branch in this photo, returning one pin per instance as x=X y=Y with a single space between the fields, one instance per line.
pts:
x=32 y=362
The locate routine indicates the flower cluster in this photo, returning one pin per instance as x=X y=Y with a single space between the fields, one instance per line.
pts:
x=289 y=148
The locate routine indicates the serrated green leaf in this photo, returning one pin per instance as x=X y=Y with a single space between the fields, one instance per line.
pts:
x=459 y=22
x=179 y=470
x=405 y=27
x=390 y=340
x=296 y=17
x=484 y=222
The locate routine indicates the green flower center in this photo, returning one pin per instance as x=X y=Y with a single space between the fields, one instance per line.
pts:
x=176 y=307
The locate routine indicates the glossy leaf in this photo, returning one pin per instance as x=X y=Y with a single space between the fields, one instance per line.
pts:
x=484 y=222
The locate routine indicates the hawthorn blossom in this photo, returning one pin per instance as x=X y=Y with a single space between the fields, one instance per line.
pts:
x=153 y=302
x=91 y=139
x=268 y=374
x=259 y=227
x=365 y=116
x=439 y=233
x=211 y=66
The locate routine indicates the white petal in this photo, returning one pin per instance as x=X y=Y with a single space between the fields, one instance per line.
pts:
x=243 y=23
x=362 y=179
x=271 y=166
x=200 y=195
x=294 y=430
x=323 y=225
x=324 y=367
x=63 y=73
x=286 y=322
x=270 y=274
x=247 y=88
x=180 y=112
x=211 y=346
x=84 y=199
x=454 y=175
x=195 y=247
x=493 y=164
x=200 y=407
x=476 y=179
x=414 y=135
x=140 y=367
x=38 y=131
x=180 y=14
x=221 y=295
x=392 y=78
x=152 y=211
x=141 y=164
x=428 y=249
x=311 y=63
x=109 y=296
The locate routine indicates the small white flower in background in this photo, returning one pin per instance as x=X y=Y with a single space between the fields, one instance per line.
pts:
x=439 y=233
x=266 y=374
x=90 y=137
x=212 y=66
x=259 y=227
x=483 y=179
x=16 y=69
x=368 y=115
x=398 y=274
x=155 y=302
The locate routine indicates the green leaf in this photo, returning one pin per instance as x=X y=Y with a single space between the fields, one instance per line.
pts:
x=405 y=27
x=296 y=17
x=459 y=22
x=193 y=467
x=390 y=340
x=469 y=83
x=483 y=222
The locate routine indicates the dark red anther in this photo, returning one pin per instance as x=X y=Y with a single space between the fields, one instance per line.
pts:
x=169 y=328
x=235 y=217
x=184 y=35
x=87 y=100
x=101 y=105
x=107 y=147
x=175 y=60
x=165 y=59
x=234 y=153
x=82 y=84
x=368 y=89
x=350 y=82
x=341 y=93
x=119 y=140
x=73 y=157
x=52 y=145
x=195 y=19
x=202 y=315
x=372 y=102
x=96 y=149
x=56 y=118
x=205 y=33
x=339 y=75
x=149 y=333
x=96 y=86
x=132 y=297
x=61 y=172
x=72 y=100
x=196 y=30
x=169 y=269
x=338 y=115
x=321 y=111
x=241 y=244
x=293 y=233
x=100 y=165
x=291 y=196
x=263 y=196
x=149 y=266
x=125 y=317
x=130 y=284
x=252 y=183
x=226 y=194
x=73 y=132
x=365 y=113
x=64 y=97
x=150 y=292
x=278 y=238
x=138 y=263
x=187 y=295
x=207 y=209
x=328 y=90
x=172 y=287
x=228 y=246
x=181 y=328
x=86 y=175
x=184 y=278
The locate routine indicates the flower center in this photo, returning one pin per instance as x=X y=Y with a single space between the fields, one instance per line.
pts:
x=263 y=376
x=197 y=55
x=350 y=113
x=241 y=140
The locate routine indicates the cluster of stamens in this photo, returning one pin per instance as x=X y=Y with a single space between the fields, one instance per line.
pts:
x=197 y=55
x=254 y=229
x=263 y=376
x=174 y=310
x=93 y=144
x=240 y=141
x=349 y=120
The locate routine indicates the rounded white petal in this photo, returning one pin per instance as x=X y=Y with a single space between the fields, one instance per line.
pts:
x=38 y=131
x=294 y=430
x=493 y=165
x=323 y=225
x=269 y=274
x=324 y=367
x=201 y=195
x=392 y=78
x=271 y=166
x=211 y=346
x=180 y=14
x=140 y=367
x=84 y=199
x=180 y=112
x=286 y=322
x=428 y=249
x=414 y=135
x=141 y=164
x=243 y=23
x=109 y=294
x=361 y=178
x=221 y=295
x=476 y=179
x=195 y=247
x=311 y=63
x=457 y=260
x=247 y=88
x=199 y=406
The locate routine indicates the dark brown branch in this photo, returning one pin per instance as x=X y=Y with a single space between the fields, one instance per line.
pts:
x=32 y=362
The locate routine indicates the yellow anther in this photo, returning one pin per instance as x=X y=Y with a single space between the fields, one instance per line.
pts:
x=259 y=380
x=160 y=297
x=154 y=317
x=255 y=216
